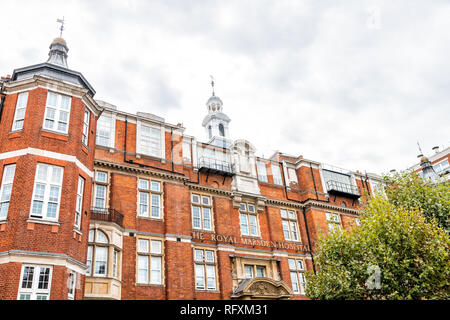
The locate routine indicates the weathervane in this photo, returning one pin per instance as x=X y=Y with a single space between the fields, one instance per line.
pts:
x=212 y=84
x=421 y=153
x=62 y=26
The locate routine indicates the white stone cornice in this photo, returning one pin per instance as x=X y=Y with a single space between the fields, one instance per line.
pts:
x=154 y=172
x=33 y=257
x=47 y=154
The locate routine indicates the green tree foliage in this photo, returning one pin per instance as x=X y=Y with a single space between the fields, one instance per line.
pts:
x=410 y=253
x=409 y=191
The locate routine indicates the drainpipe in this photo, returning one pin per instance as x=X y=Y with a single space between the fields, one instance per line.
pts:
x=314 y=181
x=304 y=216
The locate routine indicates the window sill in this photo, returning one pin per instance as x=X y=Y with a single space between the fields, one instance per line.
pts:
x=202 y=230
x=152 y=157
x=41 y=221
x=150 y=218
x=293 y=241
x=77 y=231
x=251 y=237
x=84 y=148
x=207 y=291
x=14 y=134
x=149 y=285
x=55 y=135
x=271 y=184
x=3 y=221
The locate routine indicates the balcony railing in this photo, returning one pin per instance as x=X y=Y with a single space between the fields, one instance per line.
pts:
x=341 y=188
x=109 y=215
x=215 y=166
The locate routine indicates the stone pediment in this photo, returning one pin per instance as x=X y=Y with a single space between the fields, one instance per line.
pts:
x=262 y=288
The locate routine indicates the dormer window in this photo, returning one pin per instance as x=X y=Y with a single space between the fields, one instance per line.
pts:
x=150 y=140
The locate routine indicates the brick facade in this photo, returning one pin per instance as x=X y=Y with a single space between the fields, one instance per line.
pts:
x=32 y=241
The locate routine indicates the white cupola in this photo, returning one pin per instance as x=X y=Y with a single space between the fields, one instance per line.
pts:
x=216 y=122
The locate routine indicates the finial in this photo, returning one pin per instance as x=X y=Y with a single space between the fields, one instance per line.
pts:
x=212 y=84
x=62 y=26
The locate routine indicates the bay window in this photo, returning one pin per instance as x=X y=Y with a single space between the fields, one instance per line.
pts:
x=98 y=252
x=5 y=189
x=85 y=136
x=57 y=112
x=79 y=202
x=47 y=192
x=35 y=282
x=19 y=115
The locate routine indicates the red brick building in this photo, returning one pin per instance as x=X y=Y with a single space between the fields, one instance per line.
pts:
x=98 y=203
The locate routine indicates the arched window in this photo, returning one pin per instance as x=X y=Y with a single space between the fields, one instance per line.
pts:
x=209 y=132
x=97 y=255
x=221 y=130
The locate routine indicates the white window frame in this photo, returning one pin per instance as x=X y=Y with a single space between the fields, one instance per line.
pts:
x=140 y=148
x=148 y=188
x=85 y=134
x=202 y=207
x=262 y=171
x=202 y=269
x=333 y=220
x=244 y=214
x=7 y=184
x=299 y=283
x=58 y=109
x=290 y=217
x=277 y=178
x=103 y=184
x=152 y=254
x=21 y=108
x=292 y=175
x=34 y=291
x=94 y=243
x=101 y=126
x=440 y=165
x=48 y=184
x=79 y=202
x=254 y=270
x=71 y=285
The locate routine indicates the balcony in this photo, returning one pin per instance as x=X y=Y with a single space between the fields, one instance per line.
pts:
x=108 y=215
x=343 y=189
x=212 y=165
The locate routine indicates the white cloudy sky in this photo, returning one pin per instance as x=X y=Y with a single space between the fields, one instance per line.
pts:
x=350 y=83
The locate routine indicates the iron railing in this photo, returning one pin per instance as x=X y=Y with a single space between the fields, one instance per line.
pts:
x=342 y=187
x=215 y=165
x=109 y=215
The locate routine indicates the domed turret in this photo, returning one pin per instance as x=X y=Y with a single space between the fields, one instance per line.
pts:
x=427 y=169
x=216 y=122
x=58 y=52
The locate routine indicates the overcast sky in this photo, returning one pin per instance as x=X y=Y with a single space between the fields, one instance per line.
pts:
x=350 y=83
